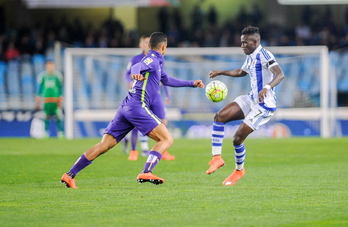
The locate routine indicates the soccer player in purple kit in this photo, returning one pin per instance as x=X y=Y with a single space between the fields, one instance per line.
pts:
x=135 y=111
x=144 y=46
x=157 y=107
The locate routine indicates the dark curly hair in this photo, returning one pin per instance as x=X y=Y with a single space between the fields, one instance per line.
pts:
x=250 y=30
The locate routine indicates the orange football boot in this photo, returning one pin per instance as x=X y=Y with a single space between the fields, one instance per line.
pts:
x=149 y=177
x=216 y=163
x=68 y=181
x=234 y=177
x=133 y=155
x=167 y=156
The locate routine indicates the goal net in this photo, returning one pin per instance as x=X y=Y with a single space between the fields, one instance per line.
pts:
x=95 y=86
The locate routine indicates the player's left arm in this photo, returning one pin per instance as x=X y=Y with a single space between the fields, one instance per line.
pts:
x=175 y=82
x=278 y=77
x=60 y=89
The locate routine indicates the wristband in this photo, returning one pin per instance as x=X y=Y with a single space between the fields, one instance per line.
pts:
x=267 y=86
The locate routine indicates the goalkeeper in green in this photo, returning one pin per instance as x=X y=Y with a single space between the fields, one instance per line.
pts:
x=50 y=84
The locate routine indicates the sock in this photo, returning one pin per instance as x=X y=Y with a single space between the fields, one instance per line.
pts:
x=47 y=124
x=151 y=162
x=59 y=125
x=79 y=165
x=134 y=138
x=239 y=154
x=217 y=137
x=125 y=144
x=143 y=143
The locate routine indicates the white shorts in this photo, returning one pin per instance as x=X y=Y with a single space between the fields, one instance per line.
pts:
x=254 y=114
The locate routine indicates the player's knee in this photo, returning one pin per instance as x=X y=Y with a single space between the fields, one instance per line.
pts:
x=237 y=140
x=169 y=141
x=218 y=117
x=105 y=146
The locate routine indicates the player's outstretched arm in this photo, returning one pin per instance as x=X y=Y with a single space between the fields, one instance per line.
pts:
x=198 y=83
x=232 y=73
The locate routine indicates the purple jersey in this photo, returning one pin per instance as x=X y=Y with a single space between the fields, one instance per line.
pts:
x=132 y=62
x=135 y=109
x=145 y=92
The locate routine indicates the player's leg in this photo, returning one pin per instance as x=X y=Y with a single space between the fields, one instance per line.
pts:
x=166 y=155
x=239 y=153
x=115 y=131
x=107 y=142
x=125 y=144
x=159 y=109
x=149 y=124
x=133 y=154
x=230 y=112
x=49 y=111
x=164 y=140
x=134 y=138
x=144 y=144
x=257 y=116
x=59 y=121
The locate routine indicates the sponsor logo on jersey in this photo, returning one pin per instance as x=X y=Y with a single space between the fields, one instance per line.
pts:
x=147 y=61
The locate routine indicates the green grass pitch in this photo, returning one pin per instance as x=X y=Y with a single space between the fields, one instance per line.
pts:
x=288 y=182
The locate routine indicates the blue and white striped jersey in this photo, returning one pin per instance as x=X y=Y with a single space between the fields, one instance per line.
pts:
x=258 y=65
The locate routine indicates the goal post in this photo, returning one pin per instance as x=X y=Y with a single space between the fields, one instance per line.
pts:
x=194 y=63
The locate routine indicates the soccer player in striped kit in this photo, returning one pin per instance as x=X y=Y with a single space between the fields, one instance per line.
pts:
x=256 y=107
x=135 y=111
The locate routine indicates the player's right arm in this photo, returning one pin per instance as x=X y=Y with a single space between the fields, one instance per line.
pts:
x=137 y=69
x=232 y=73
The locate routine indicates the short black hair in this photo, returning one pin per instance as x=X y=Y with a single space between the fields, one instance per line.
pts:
x=250 y=30
x=156 y=39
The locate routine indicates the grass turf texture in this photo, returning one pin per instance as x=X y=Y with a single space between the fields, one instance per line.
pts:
x=288 y=182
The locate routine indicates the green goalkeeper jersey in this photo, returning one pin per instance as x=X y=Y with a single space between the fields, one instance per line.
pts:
x=50 y=85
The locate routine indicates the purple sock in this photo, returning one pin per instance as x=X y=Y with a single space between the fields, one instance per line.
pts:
x=79 y=165
x=152 y=160
x=134 y=138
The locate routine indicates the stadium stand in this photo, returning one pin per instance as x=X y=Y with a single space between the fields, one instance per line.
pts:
x=18 y=80
x=3 y=93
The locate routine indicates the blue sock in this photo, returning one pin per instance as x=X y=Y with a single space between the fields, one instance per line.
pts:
x=217 y=137
x=152 y=160
x=239 y=154
x=79 y=165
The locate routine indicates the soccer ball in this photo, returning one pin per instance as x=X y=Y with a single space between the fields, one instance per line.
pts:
x=216 y=91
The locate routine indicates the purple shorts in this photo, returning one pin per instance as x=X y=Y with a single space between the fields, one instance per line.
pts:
x=128 y=117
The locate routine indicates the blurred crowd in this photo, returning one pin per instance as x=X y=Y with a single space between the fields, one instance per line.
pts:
x=313 y=29
x=202 y=31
